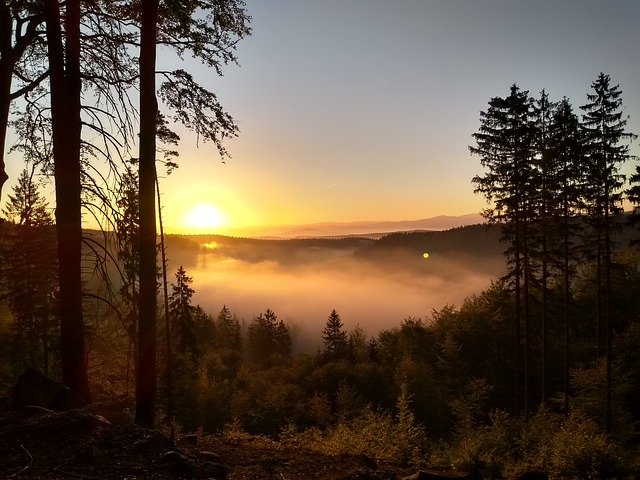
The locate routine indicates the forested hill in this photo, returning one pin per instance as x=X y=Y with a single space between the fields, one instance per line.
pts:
x=474 y=240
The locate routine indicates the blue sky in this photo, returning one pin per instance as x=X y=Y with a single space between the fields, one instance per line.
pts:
x=364 y=109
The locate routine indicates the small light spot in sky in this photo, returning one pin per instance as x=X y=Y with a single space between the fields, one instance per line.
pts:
x=425 y=255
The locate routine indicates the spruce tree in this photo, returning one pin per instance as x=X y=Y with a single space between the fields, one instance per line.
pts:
x=566 y=153
x=228 y=333
x=603 y=124
x=334 y=337
x=505 y=145
x=543 y=180
x=30 y=281
x=182 y=312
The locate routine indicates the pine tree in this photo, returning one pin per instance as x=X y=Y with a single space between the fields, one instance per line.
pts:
x=127 y=233
x=334 y=337
x=633 y=194
x=228 y=332
x=268 y=339
x=544 y=217
x=567 y=155
x=505 y=145
x=29 y=279
x=605 y=136
x=182 y=313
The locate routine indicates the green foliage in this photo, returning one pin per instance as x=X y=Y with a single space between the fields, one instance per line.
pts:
x=265 y=400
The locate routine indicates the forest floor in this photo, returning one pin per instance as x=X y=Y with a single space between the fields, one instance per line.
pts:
x=90 y=443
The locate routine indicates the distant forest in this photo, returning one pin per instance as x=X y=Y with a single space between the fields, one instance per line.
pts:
x=540 y=370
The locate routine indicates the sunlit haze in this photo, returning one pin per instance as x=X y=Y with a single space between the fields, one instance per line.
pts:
x=204 y=217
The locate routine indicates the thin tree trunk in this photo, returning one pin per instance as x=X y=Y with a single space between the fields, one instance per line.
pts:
x=146 y=384
x=5 y=101
x=12 y=48
x=66 y=127
x=6 y=72
x=599 y=293
x=167 y=320
x=607 y=306
x=518 y=300
x=565 y=268
x=527 y=271
x=545 y=279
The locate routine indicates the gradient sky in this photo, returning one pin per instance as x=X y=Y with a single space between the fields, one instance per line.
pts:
x=364 y=109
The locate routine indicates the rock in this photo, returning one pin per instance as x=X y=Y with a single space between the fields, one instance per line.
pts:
x=191 y=439
x=185 y=465
x=532 y=475
x=438 y=475
x=210 y=456
x=36 y=389
x=214 y=470
x=155 y=442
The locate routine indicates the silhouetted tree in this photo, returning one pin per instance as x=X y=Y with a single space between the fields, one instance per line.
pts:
x=228 y=334
x=29 y=270
x=127 y=231
x=545 y=215
x=334 y=337
x=505 y=144
x=182 y=312
x=19 y=29
x=146 y=366
x=566 y=153
x=605 y=137
x=268 y=339
x=65 y=86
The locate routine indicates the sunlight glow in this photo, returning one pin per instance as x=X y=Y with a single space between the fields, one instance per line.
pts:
x=205 y=216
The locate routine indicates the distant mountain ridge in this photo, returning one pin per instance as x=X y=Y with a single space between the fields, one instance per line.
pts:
x=361 y=228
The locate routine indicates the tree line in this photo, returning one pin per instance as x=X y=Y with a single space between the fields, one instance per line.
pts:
x=554 y=185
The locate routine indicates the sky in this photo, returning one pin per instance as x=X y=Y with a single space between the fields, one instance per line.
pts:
x=354 y=110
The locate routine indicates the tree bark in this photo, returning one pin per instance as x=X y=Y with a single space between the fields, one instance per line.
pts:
x=146 y=366
x=6 y=71
x=65 y=81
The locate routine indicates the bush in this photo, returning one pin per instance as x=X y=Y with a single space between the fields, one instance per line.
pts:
x=376 y=434
x=572 y=448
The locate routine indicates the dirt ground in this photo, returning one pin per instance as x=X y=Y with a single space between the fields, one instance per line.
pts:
x=85 y=444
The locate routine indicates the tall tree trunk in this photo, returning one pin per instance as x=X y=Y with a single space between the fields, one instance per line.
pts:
x=518 y=301
x=5 y=100
x=146 y=384
x=66 y=127
x=167 y=320
x=6 y=72
x=525 y=319
x=545 y=321
x=607 y=307
x=565 y=272
x=599 y=290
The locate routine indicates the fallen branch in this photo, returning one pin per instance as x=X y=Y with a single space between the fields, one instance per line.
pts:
x=28 y=466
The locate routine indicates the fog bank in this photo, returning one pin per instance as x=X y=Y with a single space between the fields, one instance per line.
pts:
x=303 y=281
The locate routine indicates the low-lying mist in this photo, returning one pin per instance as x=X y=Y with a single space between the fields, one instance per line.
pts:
x=371 y=283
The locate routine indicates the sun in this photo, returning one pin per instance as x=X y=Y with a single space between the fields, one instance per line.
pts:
x=205 y=216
